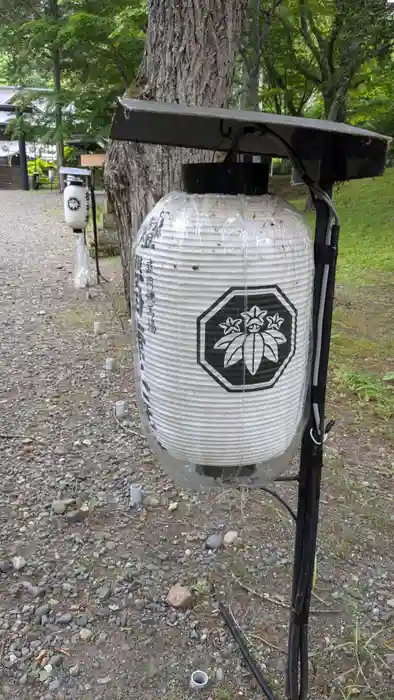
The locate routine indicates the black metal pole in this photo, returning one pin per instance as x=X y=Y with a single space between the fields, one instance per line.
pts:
x=22 y=157
x=311 y=466
x=95 y=234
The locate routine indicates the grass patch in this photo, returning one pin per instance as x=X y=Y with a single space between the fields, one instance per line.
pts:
x=366 y=212
x=362 y=348
x=368 y=388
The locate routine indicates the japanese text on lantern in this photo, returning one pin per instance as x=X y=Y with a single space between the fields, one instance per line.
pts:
x=150 y=296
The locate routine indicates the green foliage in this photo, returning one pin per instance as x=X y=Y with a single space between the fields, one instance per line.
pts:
x=100 y=45
x=324 y=49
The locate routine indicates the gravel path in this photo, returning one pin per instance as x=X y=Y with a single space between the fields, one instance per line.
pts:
x=84 y=578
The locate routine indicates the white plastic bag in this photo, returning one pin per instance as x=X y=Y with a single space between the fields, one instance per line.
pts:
x=81 y=273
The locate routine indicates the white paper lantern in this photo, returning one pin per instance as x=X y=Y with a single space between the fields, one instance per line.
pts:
x=76 y=205
x=222 y=311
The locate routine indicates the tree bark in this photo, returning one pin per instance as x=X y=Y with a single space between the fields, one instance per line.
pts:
x=54 y=11
x=189 y=58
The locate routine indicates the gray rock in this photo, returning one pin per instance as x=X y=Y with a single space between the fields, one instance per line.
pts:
x=42 y=610
x=5 y=566
x=59 y=507
x=390 y=603
x=76 y=516
x=65 y=619
x=18 y=563
x=23 y=679
x=85 y=634
x=54 y=685
x=44 y=675
x=104 y=681
x=34 y=591
x=81 y=621
x=74 y=670
x=213 y=542
x=56 y=660
x=104 y=592
x=219 y=675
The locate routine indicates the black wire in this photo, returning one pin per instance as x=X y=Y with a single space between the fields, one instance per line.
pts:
x=95 y=233
x=250 y=662
x=281 y=500
x=307 y=521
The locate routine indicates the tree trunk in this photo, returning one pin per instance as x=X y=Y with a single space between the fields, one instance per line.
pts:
x=54 y=10
x=252 y=59
x=189 y=57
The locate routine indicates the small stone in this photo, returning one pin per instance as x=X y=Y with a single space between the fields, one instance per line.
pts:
x=219 y=675
x=104 y=592
x=81 y=621
x=74 y=670
x=48 y=668
x=59 y=507
x=135 y=495
x=104 y=681
x=151 y=502
x=139 y=604
x=23 y=679
x=65 y=619
x=5 y=566
x=213 y=542
x=54 y=685
x=230 y=537
x=173 y=506
x=179 y=596
x=43 y=676
x=56 y=660
x=390 y=603
x=42 y=610
x=85 y=634
x=77 y=516
x=18 y=563
x=34 y=591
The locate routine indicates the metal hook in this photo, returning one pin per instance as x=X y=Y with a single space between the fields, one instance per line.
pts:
x=318 y=442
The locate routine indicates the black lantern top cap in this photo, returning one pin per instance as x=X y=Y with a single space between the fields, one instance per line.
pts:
x=346 y=151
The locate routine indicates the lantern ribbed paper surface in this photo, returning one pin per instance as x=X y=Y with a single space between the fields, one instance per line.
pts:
x=222 y=309
x=76 y=205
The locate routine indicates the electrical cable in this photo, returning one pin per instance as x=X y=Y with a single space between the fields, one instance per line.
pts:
x=310 y=474
x=99 y=276
x=250 y=662
x=281 y=500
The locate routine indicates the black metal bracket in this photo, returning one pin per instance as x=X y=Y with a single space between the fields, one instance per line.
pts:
x=309 y=480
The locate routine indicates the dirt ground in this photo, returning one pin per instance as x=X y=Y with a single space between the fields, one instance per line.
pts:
x=84 y=578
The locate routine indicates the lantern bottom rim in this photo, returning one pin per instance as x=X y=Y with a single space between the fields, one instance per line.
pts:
x=225 y=473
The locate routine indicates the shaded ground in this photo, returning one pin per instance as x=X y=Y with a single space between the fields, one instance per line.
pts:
x=110 y=573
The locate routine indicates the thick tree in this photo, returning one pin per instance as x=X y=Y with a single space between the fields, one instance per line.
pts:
x=189 y=58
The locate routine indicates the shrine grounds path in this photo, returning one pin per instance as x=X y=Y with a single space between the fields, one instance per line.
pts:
x=84 y=578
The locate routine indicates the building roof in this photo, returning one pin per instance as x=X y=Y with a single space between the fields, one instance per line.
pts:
x=33 y=150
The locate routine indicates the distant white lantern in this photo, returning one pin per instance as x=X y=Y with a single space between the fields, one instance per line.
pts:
x=222 y=317
x=76 y=204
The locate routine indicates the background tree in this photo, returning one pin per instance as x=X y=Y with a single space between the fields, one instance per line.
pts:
x=328 y=42
x=189 y=58
x=79 y=49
